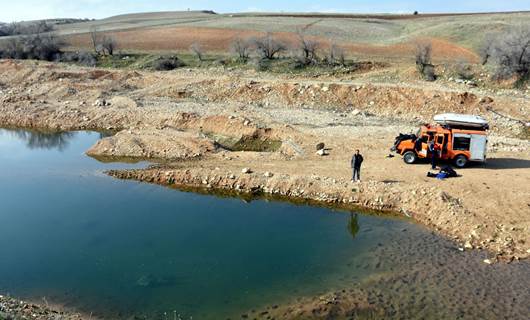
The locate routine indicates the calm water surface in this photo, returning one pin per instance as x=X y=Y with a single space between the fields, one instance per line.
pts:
x=70 y=234
x=73 y=235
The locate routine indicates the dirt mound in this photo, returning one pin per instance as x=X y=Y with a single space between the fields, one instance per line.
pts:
x=161 y=144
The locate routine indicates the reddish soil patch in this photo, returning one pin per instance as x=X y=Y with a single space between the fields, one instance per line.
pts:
x=215 y=39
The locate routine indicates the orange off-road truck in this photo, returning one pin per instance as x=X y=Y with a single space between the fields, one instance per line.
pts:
x=459 y=138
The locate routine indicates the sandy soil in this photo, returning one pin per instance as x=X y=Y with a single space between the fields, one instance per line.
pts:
x=224 y=120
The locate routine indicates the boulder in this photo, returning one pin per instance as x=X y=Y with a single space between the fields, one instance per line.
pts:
x=246 y=171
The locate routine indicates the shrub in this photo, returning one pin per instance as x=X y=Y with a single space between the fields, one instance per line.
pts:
x=464 y=71
x=18 y=28
x=510 y=51
x=38 y=46
x=308 y=50
x=102 y=44
x=424 y=61
x=241 y=48
x=167 y=63
x=261 y=64
x=83 y=58
x=197 y=50
x=108 y=45
x=336 y=55
x=268 y=47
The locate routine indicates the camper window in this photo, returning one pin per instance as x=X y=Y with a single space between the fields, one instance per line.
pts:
x=461 y=143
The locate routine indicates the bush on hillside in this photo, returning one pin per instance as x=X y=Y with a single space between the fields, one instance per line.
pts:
x=307 y=50
x=18 y=28
x=510 y=52
x=241 y=48
x=82 y=58
x=464 y=71
x=38 y=46
x=268 y=47
x=167 y=63
x=424 y=61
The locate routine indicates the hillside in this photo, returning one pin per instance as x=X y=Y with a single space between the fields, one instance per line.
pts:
x=455 y=37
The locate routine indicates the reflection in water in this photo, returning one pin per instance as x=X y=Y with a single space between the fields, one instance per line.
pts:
x=44 y=140
x=353 y=225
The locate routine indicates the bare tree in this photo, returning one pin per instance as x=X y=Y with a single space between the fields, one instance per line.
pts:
x=108 y=45
x=102 y=44
x=336 y=55
x=486 y=48
x=94 y=38
x=241 y=48
x=267 y=47
x=510 y=51
x=424 y=60
x=197 y=50
x=308 y=49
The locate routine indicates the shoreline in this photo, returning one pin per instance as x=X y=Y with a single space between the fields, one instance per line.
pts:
x=205 y=129
x=211 y=127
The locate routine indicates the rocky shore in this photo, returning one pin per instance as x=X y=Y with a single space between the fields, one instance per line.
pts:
x=15 y=309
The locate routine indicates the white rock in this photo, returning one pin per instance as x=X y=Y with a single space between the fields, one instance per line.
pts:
x=488 y=261
x=246 y=170
x=321 y=152
x=268 y=174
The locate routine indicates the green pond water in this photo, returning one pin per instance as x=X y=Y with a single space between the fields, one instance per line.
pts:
x=69 y=234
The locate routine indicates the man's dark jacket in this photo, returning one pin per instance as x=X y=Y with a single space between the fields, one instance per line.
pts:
x=356 y=161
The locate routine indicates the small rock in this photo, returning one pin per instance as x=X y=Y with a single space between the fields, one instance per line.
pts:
x=468 y=245
x=246 y=171
x=321 y=146
x=322 y=152
x=268 y=174
x=232 y=177
x=488 y=261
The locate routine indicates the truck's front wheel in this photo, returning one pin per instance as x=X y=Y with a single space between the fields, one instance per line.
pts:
x=410 y=157
x=460 y=161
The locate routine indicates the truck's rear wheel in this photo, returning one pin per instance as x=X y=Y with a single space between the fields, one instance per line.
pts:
x=410 y=157
x=460 y=161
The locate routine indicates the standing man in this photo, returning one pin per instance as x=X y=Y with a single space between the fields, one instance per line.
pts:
x=433 y=150
x=356 y=162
